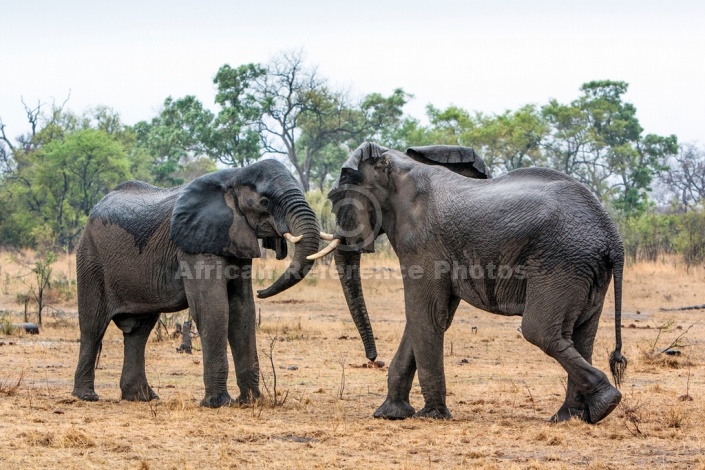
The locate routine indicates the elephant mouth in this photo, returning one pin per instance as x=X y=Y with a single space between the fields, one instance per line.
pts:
x=266 y=230
x=339 y=241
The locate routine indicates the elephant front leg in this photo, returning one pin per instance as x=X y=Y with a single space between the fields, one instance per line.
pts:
x=428 y=350
x=427 y=320
x=399 y=381
x=242 y=338
x=208 y=302
x=133 y=381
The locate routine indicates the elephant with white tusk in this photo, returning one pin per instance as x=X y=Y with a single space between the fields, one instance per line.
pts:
x=147 y=250
x=533 y=242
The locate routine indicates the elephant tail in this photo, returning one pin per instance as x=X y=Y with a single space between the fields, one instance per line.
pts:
x=618 y=363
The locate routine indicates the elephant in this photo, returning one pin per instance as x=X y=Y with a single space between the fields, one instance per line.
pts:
x=147 y=250
x=533 y=242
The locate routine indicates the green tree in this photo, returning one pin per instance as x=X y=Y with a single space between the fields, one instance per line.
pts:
x=510 y=140
x=598 y=140
x=286 y=108
x=332 y=126
x=235 y=139
x=505 y=141
x=58 y=184
x=182 y=131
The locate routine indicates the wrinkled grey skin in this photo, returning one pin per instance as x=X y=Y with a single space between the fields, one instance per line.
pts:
x=147 y=250
x=556 y=238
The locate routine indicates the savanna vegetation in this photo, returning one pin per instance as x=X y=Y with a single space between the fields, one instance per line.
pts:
x=51 y=176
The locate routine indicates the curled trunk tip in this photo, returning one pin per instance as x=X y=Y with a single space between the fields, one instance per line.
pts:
x=306 y=232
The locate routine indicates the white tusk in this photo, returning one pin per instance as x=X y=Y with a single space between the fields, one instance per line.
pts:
x=327 y=236
x=292 y=239
x=332 y=246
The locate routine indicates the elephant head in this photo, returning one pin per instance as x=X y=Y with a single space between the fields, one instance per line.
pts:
x=226 y=212
x=360 y=198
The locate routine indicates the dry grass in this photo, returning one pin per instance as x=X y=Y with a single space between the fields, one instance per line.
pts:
x=501 y=390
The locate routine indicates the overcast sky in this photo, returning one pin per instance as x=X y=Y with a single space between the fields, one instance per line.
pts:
x=486 y=56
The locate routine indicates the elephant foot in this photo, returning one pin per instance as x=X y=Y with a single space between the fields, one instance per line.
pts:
x=394 y=409
x=249 y=397
x=85 y=395
x=567 y=412
x=216 y=401
x=434 y=412
x=143 y=393
x=601 y=403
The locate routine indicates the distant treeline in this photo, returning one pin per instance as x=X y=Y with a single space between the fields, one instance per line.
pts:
x=51 y=177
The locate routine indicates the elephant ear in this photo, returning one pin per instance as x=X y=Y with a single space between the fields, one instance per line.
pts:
x=277 y=244
x=461 y=160
x=206 y=219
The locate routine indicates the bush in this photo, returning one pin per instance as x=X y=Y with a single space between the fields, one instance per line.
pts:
x=650 y=236
x=690 y=241
x=6 y=327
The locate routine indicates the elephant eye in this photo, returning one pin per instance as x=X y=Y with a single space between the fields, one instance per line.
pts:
x=264 y=202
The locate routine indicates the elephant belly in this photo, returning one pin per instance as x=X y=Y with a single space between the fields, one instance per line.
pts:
x=144 y=289
x=500 y=296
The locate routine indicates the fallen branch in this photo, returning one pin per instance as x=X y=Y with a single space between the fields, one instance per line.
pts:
x=692 y=307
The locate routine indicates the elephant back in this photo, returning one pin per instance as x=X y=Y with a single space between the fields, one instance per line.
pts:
x=137 y=207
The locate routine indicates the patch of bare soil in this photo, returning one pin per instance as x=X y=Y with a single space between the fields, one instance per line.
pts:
x=501 y=391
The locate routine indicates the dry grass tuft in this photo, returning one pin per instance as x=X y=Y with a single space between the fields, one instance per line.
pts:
x=675 y=417
x=181 y=402
x=73 y=438
x=658 y=359
x=38 y=438
x=10 y=388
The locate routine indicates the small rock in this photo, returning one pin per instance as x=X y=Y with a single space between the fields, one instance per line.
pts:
x=464 y=361
x=292 y=368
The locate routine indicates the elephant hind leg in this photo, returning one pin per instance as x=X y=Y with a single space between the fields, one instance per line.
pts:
x=548 y=323
x=135 y=330
x=576 y=403
x=93 y=320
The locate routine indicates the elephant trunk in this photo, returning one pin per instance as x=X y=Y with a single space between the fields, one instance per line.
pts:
x=300 y=220
x=348 y=266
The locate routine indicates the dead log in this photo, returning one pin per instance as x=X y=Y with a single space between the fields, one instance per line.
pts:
x=692 y=307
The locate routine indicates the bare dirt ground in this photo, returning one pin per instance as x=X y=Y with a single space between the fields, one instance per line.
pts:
x=501 y=390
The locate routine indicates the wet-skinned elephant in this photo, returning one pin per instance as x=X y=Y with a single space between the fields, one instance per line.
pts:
x=147 y=250
x=533 y=242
